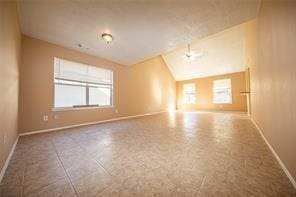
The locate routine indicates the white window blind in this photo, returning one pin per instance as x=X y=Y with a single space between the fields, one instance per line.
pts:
x=222 y=91
x=81 y=85
x=68 y=70
x=189 y=93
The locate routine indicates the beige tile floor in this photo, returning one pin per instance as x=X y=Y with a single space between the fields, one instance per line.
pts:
x=169 y=154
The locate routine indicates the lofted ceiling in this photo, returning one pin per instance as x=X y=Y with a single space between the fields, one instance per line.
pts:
x=221 y=53
x=142 y=29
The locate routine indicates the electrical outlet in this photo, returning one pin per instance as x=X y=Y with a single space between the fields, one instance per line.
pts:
x=56 y=116
x=45 y=118
x=116 y=110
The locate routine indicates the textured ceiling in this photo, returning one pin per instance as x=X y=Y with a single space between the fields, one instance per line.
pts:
x=222 y=53
x=142 y=28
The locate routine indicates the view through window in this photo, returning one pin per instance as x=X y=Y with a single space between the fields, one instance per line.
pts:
x=189 y=93
x=81 y=85
x=222 y=91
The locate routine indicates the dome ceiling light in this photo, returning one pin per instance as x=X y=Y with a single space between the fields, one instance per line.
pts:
x=108 y=38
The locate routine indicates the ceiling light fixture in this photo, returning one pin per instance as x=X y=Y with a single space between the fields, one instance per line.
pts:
x=107 y=37
x=191 y=55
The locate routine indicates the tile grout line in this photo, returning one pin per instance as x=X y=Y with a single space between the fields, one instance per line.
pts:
x=103 y=167
x=91 y=158
x=104 y=189
x=23 y=179
x=41 y=188
x=201 y=185
x=31 y=192
x=96 y=162
x=64 y=169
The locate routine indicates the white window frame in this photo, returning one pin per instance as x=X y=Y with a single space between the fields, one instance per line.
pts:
x=87 y=85
x=187 y=94
x=216 y=89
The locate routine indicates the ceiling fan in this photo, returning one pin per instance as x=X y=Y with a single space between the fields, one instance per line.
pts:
x=191 y=55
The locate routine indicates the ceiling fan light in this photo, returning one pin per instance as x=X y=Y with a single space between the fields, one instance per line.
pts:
x=189 y=58
x=191 y=55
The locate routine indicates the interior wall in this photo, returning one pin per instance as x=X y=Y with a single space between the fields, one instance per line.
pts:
x=138 y=89
x=204 y=89
x=271 y=46
x=10 y=39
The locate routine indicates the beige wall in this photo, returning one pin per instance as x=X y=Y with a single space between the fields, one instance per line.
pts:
x=10 y=39
x=138 y=89
x=204 y=89
x=271 y=49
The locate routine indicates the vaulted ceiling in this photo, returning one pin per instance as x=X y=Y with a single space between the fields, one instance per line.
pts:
x=221 y=53
x=142 y=29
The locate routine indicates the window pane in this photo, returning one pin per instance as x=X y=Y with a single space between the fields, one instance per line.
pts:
x=81 y=84
x=68 y=95
x=100 y=96
x=189 y=93
x=222 y=91
x=222 y=96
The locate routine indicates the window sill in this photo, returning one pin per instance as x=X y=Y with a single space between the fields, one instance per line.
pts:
x=57 y=109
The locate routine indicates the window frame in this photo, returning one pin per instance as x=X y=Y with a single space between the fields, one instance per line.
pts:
x=184 y=94
x=230 y=88
x=87 y=86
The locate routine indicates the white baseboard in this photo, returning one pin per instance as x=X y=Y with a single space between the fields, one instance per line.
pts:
x=8 y=159
x=275 y=154
x=89 y=123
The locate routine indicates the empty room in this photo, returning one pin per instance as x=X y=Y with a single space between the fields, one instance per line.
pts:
x=147 y=98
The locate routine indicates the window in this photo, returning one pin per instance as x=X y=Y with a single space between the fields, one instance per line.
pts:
x=80 y=85
x=189 y=93
x=222 y=91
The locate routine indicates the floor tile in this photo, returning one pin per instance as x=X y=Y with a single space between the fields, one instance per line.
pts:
x=41 y=174
x=92 y=184
x=83 y=168
x=11 y=190
x=168 y=154
x=60 y=188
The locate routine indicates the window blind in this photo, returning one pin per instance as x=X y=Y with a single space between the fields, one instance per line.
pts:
x=189 y=88
x=189 y=93
x=222 y=91
x=222 y=84
x=73 y=71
